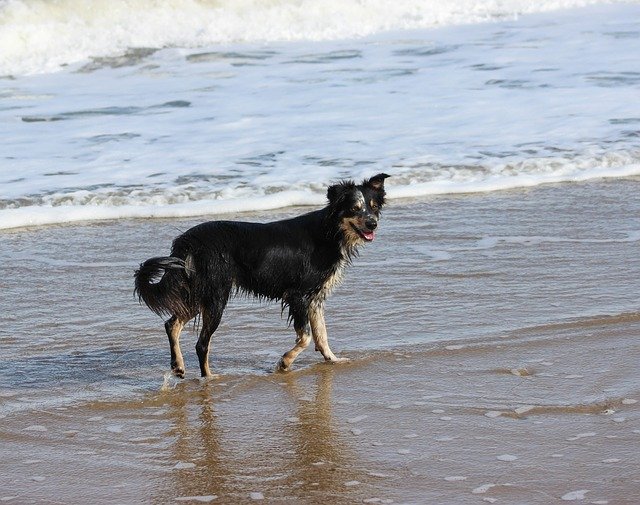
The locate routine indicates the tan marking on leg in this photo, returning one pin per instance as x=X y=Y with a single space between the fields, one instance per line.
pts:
x=174 y=328
x=302 y=342
x=319 y=331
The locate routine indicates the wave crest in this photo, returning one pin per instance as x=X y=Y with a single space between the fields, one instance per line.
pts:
x=39 y=36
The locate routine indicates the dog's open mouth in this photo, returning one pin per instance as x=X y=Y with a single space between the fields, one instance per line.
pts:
x=366 y=235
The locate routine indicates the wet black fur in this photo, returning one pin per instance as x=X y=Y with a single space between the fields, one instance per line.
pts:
x=289 y=260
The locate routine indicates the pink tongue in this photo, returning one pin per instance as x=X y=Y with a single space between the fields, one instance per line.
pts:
x=369 y=235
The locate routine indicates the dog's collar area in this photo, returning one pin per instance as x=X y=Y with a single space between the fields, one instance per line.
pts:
x=368 y=236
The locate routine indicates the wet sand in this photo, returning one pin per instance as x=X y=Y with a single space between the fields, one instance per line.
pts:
x=528 y=418
x=495 y=359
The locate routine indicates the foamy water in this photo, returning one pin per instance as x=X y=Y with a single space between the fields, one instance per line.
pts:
x=41 y=36
x=187 y=120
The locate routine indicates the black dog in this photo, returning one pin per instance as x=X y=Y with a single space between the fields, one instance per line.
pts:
x=297 y=261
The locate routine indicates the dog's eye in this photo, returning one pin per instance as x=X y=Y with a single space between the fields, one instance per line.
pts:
x=374 y=205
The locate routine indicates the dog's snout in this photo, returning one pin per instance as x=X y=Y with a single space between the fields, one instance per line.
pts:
x=371 y=224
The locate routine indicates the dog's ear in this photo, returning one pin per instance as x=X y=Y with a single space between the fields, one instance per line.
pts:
x=338 y=192
x=376 y=182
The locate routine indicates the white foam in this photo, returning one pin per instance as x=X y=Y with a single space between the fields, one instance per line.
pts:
x=169 y=381
x=506 y=457
x=352 y=483
x=209 y=142
x=582 y=435
x=40 y=36
x=36 y=427
x=256 y=496
x=135 y=207
x=455 y=478
x=47 y=215
x=181 y=465
x=201 y=498
x=483 y=489
x=575 y=495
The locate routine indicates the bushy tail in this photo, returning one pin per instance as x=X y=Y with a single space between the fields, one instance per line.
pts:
x=163 y=285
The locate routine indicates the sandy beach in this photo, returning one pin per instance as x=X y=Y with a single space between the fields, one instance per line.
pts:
x=495 y=359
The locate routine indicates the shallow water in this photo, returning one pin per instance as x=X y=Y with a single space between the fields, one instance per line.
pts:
x=494 y=354
x=446 y=269
x=492 y=331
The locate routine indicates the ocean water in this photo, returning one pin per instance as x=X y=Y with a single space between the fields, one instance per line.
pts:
x=177 y=109
x=492 y=325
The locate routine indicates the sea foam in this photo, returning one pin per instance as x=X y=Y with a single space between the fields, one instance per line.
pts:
x=188 y=131
x=41 y=36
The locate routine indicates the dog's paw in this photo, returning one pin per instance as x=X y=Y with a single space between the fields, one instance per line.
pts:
x=281 y=367
x=336 y=360
x=178 y=371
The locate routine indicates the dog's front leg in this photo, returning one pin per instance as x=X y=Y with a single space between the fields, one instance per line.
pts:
x=302 y=342
x=319 y=331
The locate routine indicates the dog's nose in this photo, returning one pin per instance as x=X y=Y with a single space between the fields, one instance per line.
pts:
x=371 y=224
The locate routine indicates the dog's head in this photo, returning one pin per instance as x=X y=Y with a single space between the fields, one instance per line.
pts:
x=357 y=208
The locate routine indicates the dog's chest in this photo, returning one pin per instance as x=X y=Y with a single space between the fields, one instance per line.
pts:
x=332 y=280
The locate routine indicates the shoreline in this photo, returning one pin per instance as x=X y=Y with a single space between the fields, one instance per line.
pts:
x=275 y=204
x=495 y=346
x=450 y=425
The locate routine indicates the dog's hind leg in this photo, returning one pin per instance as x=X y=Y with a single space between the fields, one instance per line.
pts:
x=211 y=317
x=319 y=330
x=173 y=327
x=299 y=312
